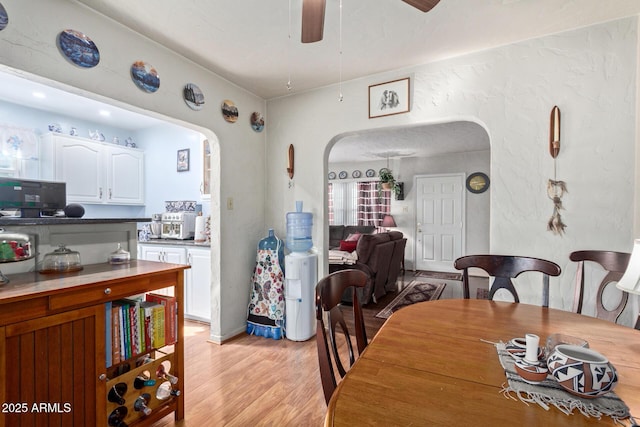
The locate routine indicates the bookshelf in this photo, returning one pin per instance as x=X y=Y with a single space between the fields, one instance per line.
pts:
x=54 y=334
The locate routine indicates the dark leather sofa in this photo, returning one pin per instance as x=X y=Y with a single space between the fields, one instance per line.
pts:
x=380 y=256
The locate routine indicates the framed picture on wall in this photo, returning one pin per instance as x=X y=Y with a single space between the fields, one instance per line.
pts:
x=386 y=99
x=183 y=160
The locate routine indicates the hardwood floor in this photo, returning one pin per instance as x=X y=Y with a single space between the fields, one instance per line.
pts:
x=255 y=381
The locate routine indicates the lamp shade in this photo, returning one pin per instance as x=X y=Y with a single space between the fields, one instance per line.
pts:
x=630 y=281
x=388 y=221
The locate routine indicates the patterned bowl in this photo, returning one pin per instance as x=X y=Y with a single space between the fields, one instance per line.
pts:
x=582 y=371
x=531 y=373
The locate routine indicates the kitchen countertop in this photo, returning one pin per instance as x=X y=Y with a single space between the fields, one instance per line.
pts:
x=175 y=242
x=8 y=221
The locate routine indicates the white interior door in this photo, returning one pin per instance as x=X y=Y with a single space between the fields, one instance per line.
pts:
x=439 y=221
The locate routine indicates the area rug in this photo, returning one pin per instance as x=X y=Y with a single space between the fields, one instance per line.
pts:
x=442 y=275
x=415 y=291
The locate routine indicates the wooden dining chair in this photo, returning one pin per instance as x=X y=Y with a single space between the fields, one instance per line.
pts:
x=328 y=295
x=615 y=263
x=503 y=268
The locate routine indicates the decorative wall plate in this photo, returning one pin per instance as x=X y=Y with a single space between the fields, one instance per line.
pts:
x=356 y=174
x=477 y=182
x=229 y=111
x=370 y=173
x=193 y=96
x=332 y=175
x=78 y=48
x=145 y=76
x=4 y=18
x=343 y=174
x=257 y=121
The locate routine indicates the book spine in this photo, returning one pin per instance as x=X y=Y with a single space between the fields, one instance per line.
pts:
x=115 y=328
x=108 y=350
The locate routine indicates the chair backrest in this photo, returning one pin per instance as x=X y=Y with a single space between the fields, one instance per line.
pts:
x=615 y=263
x=328 y=295
x=503 y=268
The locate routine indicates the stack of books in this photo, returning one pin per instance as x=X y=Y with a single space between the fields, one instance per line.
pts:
x=138 y=326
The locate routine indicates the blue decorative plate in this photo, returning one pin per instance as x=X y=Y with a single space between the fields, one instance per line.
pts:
x=4 y=18
x=356 y=174
x=257 y=121
x=343 y=175
x=332 y=175
x=78 y=48
x=370 y=173
x=193 y=96
x=145 y=76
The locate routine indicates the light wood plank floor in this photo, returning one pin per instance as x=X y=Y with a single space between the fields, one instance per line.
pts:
x=255 y=381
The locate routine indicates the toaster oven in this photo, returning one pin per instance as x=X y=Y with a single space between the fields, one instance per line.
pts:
x=178 y=225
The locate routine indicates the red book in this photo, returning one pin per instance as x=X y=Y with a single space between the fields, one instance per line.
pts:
x=115 y=334
x=171 y=315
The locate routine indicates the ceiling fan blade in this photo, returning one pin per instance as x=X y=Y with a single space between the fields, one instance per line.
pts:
x=423 y=5
x=312 y=20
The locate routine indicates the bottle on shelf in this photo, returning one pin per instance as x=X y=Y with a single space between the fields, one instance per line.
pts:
x=162 y=373
x=116 y=418
x=142 y=381
x=116 y=393
x=166 y=390
x=141 y=403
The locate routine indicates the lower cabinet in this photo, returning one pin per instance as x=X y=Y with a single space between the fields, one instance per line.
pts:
x=197 y=297
x=198 y=285
x=51 y=370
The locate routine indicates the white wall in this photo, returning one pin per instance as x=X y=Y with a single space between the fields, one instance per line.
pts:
x=589 y=73
x=28 y=44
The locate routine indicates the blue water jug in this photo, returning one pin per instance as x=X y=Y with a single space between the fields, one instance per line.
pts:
x=299 y=226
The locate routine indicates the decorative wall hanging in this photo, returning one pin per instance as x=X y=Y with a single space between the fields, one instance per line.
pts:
x=257 y=121
x=555 y=188
x=290 y=160
x=193 y=96
x=229 y=111
x=370 y=173
x=332 y=175
x=477 y=182
x=183 y=160
x=4 y=18
x=145 y=76
x=389 y=98
x=78 y=48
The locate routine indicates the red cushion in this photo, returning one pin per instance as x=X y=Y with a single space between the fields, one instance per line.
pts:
x=348 y=245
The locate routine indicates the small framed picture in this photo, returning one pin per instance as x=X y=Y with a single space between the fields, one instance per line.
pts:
x=389 y=98
x=183 y=160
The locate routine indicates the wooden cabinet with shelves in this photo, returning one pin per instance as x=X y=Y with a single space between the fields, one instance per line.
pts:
x=95 y=172
x=53 y=334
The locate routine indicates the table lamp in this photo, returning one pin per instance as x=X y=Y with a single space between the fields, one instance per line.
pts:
x=388 y=221
x=630 y=281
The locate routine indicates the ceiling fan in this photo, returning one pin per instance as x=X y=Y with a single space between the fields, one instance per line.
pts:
x=313 y=16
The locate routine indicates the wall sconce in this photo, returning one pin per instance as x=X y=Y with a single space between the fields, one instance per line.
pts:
x=290 y=162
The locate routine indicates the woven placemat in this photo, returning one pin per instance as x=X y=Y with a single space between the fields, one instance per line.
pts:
x=549 y=393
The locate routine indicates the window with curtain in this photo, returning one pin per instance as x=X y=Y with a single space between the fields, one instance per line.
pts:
x=357 y=203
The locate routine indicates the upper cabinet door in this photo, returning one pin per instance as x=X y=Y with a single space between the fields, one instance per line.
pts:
x=125 y=176
x=81 y=166
x=94 y=172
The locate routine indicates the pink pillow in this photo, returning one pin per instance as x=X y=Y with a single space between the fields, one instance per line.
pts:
x=348 y=245
x=353 y=237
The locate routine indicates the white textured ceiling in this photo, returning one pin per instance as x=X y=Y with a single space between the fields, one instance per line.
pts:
x=247 y=41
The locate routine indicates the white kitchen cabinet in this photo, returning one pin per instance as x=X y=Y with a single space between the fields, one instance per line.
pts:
x=198 y=285
x=94 y=172
x=170 y=254
x=197 y=279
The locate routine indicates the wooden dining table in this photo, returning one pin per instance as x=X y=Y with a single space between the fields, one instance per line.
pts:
x=433 y=363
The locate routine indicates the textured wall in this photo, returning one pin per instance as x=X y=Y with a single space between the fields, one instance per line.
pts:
x=589 y=73
x=28 y=45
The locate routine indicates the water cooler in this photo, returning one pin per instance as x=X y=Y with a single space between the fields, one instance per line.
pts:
x=301 y=277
